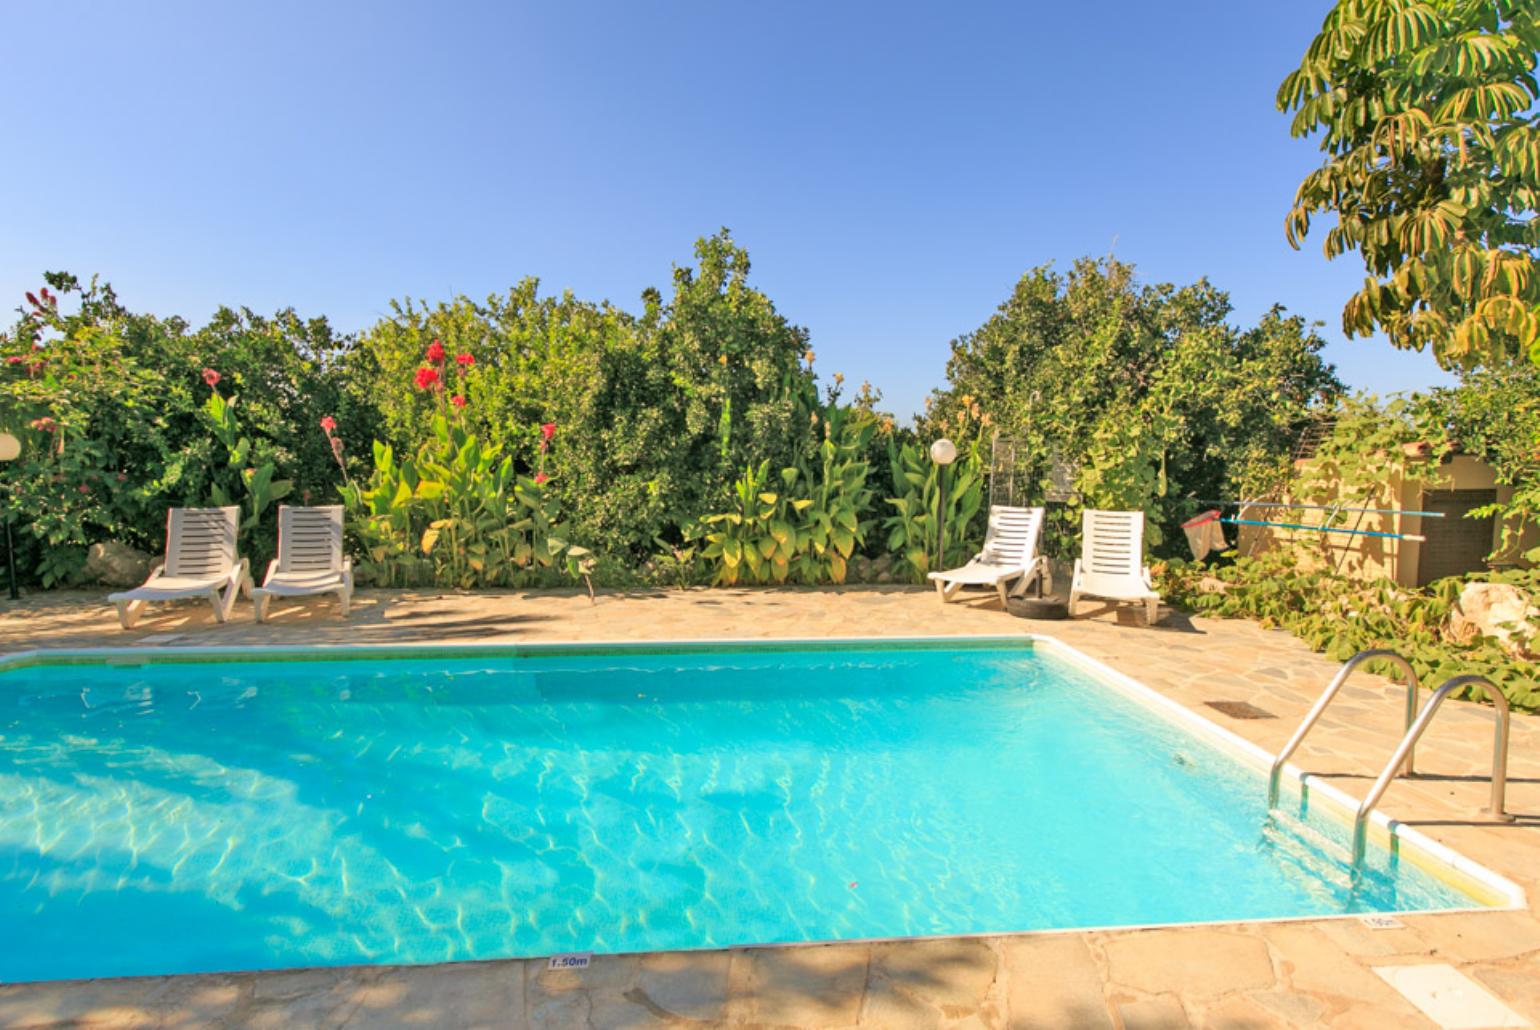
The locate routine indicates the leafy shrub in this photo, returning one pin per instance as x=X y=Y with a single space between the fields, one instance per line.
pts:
x=659 y=412
x=109 y=405
x=1340 y=616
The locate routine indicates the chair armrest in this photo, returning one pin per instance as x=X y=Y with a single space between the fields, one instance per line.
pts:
x=1149 y=581
x=272 y=567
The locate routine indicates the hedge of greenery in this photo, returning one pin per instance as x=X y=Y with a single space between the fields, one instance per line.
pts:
x=527 y=439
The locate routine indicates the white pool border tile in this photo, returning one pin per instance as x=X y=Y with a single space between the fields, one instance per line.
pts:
x=1506 y=894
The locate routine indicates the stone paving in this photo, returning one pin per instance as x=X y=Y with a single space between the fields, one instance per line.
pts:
x=1302 y=973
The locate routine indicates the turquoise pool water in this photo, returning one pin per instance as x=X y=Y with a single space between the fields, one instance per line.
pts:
x=241 y=814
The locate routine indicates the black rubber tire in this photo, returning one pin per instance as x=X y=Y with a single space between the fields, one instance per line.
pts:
x=1038 y=607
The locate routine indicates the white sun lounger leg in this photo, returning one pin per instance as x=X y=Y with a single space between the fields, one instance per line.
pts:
x=129 y=612
x=345 y=592
x=224 y=600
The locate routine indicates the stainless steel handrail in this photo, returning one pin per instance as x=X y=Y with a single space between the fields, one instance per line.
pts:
x=1331 y=691
x=1496 y=806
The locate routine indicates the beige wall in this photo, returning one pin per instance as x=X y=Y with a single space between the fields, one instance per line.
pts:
x=1373 y=557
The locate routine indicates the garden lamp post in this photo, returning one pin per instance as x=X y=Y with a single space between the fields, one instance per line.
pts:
x=943 y=452
x=10 y=450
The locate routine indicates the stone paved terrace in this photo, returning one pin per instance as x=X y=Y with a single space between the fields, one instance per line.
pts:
x=1307 y=973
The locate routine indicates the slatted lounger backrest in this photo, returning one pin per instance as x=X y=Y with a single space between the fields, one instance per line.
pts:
x=1113 y=544
x=310 y=539
x=1011 y=539
x=200 y=542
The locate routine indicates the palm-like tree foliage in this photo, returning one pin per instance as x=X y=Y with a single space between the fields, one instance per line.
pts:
x=1428 y=119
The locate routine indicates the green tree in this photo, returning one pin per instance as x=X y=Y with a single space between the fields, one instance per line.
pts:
x=1426 y=114
x=1147 y=391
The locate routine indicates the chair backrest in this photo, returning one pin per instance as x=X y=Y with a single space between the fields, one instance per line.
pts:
x=1011 y=539
x=1112 y=544
x=200 y=542
x=310 y=539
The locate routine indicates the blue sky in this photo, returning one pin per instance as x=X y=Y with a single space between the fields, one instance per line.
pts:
x=892 y=168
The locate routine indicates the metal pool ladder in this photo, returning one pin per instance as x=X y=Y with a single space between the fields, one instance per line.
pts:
x=1402 y=759
x=1314 y=715
x=1495 y=807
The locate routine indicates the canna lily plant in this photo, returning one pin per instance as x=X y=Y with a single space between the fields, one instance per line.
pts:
x=457 y=513
x=261 y=490
x=804 y=525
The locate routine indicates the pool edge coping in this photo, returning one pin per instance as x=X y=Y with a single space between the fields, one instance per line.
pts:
x=1339 y=804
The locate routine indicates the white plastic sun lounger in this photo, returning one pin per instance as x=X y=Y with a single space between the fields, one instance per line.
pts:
x=1111 y=564
x=310 y=558
x=1010 y=553
x=200 y=562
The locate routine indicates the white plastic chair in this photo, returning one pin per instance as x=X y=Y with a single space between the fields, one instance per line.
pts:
x=310 y=558
x=1111 y=564
x=1010 y=553
x=200 y=562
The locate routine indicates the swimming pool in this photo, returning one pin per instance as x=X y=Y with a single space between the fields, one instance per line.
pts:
x=165 y=812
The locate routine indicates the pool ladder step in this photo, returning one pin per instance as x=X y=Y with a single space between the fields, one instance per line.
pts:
x=1403 y=757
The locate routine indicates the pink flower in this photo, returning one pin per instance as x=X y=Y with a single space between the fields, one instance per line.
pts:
x=328 y=424
x=541 y=477
x=436 y=352
x=84 y=489
x=465 y=360
x=426 y=377
x=211 y=377
x=45 y=424
x=457 y=401
x=548 y=430
x=15 y=359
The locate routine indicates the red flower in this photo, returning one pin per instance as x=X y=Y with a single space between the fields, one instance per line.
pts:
x=211 y=377
x=436 y=352
x=548 y=430
x=465 y=360
x=84 y=489
x=45 y=424
x=541 y=477
x=328 y=424
x=33 y=300
x=15 y=359
x=457 y=401
x=426 y=377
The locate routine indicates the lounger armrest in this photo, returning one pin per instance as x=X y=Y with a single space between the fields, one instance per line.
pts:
x=272 y=567
x=1149 y=581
